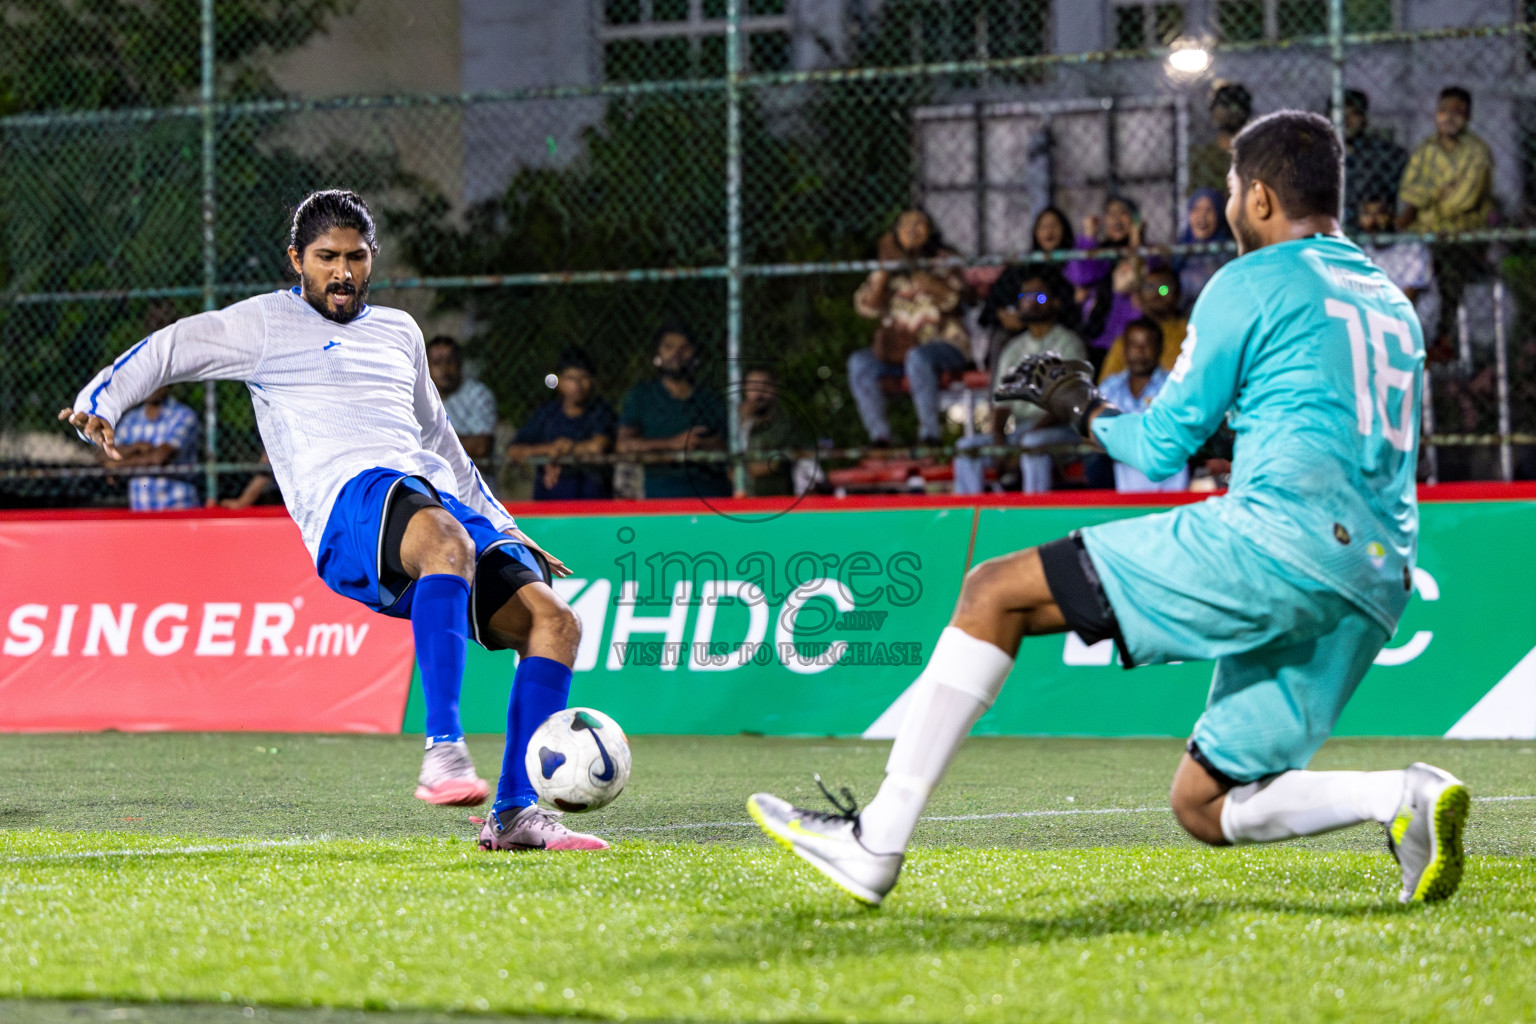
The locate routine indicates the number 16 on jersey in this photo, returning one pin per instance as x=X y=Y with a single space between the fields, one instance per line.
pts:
x=1368 y=346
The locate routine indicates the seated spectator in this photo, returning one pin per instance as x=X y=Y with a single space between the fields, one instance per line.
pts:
x=1205 y=223
x=576 y=423
x=921 y=332
x=1036 y=315
x=1132 y=390
x=1052 y=231
x=1105 y=287
x=256 y=491
x=159 y=432
x=1373 y=164
x=470 y=405
x=1406 y=264
x=1158 y=300
x=670 y=413
x=1448 y=186
x=1231 y=105
x=766 y=426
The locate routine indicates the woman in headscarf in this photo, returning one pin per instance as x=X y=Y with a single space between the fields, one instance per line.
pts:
x=1205 y=222
x=920 y=332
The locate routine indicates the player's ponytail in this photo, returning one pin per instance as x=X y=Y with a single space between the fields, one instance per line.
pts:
x=327 y=210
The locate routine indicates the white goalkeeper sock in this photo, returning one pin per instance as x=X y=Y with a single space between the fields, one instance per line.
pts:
x=1306 y=803
x=959 y=684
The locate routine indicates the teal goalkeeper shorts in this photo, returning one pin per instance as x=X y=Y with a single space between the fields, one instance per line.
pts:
x=1289 y=651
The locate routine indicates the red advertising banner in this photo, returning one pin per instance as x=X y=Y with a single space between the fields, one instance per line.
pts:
x=187 y=622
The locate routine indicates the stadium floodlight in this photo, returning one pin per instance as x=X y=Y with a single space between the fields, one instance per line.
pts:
x=1188 y=56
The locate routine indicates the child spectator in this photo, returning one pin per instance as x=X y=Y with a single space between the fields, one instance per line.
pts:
x=670 y=413
x=921 y=332
x=1133 y=390
x=1205 y=223
x=1448 y=186
x=575 y=423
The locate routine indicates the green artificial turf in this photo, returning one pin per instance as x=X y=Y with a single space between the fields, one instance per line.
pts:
x=279 y=872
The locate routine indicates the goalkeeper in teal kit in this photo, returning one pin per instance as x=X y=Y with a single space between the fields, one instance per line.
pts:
x=1292 y=582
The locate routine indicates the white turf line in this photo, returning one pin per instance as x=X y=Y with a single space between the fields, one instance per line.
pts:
x=268 y=844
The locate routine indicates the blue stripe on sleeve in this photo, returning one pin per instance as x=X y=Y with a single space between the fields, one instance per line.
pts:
x=123 y=359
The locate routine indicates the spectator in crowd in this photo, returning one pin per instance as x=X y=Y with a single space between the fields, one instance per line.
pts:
x=1231 y=106
x=1406 y=264
x=1373 y=163
x=921 y=332
x=160 y=432
x=577 y=422
x=1448 y=186
x=1133 y=390
x=255 y=491
x=1052 y=231
x=671 y=413
x=1205 y=223
x=470 y=405
x=1158 y=300
x=1035 y=316
x=766 y=426
x=1105 y=288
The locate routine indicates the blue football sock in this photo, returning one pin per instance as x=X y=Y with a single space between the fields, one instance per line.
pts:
x=540 y=688
x=440 y=624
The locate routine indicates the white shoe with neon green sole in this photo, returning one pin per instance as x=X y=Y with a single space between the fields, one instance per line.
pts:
x=1425 y=837
x=830 y=843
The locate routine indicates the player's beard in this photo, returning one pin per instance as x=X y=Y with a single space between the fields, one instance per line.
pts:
x=1247 y=239
x=318 y=296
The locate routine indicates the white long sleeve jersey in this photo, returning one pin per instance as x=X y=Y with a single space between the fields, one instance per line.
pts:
x=332 y=400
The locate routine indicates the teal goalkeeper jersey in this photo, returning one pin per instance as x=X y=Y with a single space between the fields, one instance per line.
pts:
x=1318 y=362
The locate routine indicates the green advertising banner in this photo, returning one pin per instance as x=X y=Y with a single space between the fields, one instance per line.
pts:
x=816 y=622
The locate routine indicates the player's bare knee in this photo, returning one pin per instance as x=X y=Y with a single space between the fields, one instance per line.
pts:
x=1200 y=819
x=447 y=549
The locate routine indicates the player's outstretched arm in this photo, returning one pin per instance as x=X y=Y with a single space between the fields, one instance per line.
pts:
x=222 y=344
x=1201 y=387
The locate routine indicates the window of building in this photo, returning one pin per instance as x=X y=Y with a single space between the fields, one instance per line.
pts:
x=1243 y=21
x=659 y=40
x=1142 y=26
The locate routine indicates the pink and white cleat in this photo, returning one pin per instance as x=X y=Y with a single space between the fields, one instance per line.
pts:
x=448 y=777
x=534 y=828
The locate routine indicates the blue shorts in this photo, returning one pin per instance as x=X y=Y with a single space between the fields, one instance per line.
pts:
x=1289 y=651
x=351 y=559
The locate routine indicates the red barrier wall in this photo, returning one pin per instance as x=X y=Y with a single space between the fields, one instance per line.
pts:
x=186 y=622
x=215 y=620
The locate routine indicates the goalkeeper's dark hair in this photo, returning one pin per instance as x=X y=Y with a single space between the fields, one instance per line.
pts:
x=1296 y=154
x=327 y=210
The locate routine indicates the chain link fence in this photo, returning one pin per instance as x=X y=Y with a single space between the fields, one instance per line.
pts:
x=592 y=175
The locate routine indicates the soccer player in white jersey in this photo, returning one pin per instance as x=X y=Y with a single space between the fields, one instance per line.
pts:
x=1292 y=582
x=391 y=508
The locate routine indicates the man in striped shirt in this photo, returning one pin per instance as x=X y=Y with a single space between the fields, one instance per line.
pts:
x=160 y=432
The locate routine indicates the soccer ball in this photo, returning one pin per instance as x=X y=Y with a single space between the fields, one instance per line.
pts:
x=578 y=759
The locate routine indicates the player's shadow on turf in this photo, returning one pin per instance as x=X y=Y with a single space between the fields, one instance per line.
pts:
x=848 y=930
